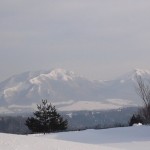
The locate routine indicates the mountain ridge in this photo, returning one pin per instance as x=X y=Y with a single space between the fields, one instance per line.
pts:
x=68 y=90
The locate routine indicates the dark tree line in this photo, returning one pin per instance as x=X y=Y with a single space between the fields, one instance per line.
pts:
x=13 y=124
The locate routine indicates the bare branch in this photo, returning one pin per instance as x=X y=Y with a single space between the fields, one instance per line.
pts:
x=143 y=90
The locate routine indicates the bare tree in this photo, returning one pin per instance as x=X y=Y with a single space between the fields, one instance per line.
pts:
x=143 y=90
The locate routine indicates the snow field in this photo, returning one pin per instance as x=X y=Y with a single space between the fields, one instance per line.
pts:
x=127 y=138
x=19 y=142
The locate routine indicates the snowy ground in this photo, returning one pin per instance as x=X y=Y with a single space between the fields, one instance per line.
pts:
x=130 y=138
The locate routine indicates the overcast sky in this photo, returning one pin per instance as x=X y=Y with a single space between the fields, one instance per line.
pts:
x=99 y=39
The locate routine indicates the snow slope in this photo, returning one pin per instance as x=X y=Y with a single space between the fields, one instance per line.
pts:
x=130 y=138
x=19 y=142
x=127 y=138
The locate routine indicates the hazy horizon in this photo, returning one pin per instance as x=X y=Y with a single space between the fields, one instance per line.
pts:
x=80 y=74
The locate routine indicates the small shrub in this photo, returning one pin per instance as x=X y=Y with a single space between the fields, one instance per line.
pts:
x=136 y=119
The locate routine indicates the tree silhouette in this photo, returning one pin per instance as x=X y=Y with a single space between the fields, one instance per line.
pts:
x=135 y=119
x=143 y=90
x=46 y=119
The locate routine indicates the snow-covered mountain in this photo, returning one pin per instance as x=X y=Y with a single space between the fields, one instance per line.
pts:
x=68 y=91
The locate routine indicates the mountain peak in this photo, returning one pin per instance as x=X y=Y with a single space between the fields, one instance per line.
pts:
x=61 y=74
x=141 y=72
x=54 y=74
x=144 y=73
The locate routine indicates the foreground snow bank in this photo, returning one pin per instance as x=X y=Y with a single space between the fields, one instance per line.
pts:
x=19 y=142
x=131 y=138
x=112 y=135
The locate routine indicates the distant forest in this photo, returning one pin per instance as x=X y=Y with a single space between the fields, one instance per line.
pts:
x=78 y=120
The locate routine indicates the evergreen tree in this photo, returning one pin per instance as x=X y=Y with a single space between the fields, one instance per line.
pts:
x=46 y=119
x=135 y=119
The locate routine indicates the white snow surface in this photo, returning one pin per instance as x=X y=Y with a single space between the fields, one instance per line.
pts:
x=127 y=138
x=109 y=104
